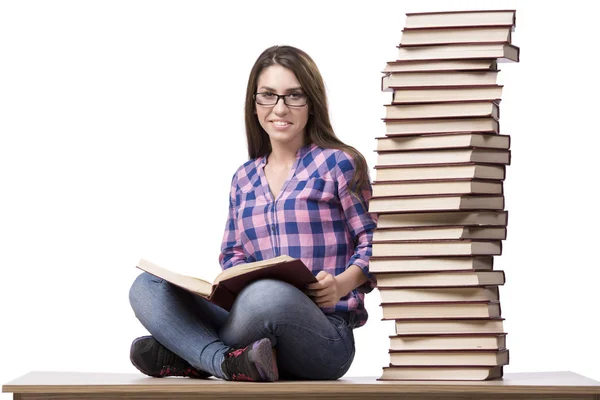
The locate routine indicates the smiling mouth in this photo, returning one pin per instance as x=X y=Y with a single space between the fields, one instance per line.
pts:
x=280 y=123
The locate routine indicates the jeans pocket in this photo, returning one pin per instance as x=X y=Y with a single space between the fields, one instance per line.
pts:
x=341 y=321
x=346 y=365
x=347 y=346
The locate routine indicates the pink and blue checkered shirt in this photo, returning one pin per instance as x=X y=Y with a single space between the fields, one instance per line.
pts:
x=314 y=218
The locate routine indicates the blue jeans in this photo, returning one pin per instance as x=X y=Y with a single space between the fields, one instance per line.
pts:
x=309 y=343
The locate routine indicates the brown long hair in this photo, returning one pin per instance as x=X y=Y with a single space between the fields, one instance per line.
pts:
x=318 y=128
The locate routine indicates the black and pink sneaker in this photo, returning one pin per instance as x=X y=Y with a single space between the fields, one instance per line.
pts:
x=256 y=363
x=154 y=359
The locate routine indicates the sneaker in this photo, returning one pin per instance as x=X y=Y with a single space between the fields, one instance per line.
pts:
x=255 y=362
x=154 y=359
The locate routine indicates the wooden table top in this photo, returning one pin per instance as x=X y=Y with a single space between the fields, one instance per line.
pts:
x=86 y=382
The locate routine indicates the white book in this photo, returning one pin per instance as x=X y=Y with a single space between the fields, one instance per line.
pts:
x=503 y=51
x=450 y=357
x=435 y=203
x=435 y=187
x=443 y=156
x=438 y=248
x=465 y=171
x=474 y=18
x=443 y=110
x=447 y=94
x=429 y=36
x=415 y=264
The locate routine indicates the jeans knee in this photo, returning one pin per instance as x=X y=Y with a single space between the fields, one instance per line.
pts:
x=141 y=288
x=270 y=296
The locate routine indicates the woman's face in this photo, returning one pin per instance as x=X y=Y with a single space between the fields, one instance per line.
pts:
x=284 y=124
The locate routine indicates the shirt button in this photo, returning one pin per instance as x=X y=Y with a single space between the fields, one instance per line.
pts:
x=273 y=228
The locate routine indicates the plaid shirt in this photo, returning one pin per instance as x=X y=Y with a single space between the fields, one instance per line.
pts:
x=314 y=218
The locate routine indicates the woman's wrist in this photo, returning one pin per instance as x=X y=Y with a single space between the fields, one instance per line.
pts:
x=350 y=279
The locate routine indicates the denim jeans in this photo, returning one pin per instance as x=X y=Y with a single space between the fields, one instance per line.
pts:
x=309 y=344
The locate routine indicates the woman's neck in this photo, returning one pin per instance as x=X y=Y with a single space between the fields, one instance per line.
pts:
x=284 y=155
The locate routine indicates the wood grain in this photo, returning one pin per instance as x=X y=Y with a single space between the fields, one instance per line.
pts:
x=79 y=385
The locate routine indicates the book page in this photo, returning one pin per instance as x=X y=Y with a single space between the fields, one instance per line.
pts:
x=196 y=285
x=247 y=267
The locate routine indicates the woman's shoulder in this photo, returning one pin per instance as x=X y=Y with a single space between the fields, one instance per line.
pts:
x=333 y=158
x=326 y=163
x=330 y=154
x=247 y=171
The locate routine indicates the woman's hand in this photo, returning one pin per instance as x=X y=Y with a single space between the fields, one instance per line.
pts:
x=326 y=292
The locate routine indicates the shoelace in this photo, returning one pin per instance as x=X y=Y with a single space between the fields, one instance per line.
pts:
x=174 y=371
x=238 y=366
x=241 y=377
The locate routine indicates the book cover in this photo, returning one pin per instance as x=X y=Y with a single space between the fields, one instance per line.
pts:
x=456 y=35
x=461 y=64
x=229 y=283
x=460 y=18
x=450 y=373
x=449 y=341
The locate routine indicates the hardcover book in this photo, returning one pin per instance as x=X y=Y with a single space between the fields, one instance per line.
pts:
x=451 y=19
x=227 y=285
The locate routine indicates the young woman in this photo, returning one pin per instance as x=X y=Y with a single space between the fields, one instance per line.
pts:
x=303 y=193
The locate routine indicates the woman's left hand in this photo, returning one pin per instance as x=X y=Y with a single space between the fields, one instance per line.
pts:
x=325 y=292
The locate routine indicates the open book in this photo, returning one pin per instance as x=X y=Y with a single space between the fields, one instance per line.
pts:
x=226 y=286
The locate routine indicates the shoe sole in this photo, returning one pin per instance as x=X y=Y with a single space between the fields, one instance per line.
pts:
x=261 y=354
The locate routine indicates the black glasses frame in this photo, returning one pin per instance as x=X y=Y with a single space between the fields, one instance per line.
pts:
x=280 y=96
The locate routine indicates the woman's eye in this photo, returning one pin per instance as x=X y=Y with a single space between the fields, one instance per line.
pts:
x=296 y=96
x=267 y=94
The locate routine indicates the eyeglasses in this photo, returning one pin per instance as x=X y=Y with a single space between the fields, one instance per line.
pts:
x=290 y=100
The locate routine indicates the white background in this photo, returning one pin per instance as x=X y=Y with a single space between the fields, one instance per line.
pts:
x=121 y=125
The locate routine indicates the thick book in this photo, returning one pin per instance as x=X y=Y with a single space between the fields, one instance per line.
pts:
x=457 y=35
x=449 y=341
x=483 y=64
x=456 y=140
x=440 y=279
x=450 y=19
x=449 y=357
x=447 y=94
x=447 y=171
x=443 y=110
x=443 y=156
x=420 y=126
x=416 y=264
x=382 y=235
x=416 y=79
x=433 y=219
x=227 y=285
x=435 y=203
x=456 y=310
x=427 y=373
x=436 y=187
x=450 y=325
x=438 y=294
x=424 y=248
x=500 y=51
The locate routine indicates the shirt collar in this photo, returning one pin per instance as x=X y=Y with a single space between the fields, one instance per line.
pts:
x=302 y=151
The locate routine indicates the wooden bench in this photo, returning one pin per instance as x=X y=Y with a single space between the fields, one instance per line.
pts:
x=79 y=385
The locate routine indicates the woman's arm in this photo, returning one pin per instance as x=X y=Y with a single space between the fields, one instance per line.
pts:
x=232 y=252
x=360 y=223
x=330 y=289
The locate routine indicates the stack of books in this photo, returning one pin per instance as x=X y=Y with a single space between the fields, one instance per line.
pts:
x=438 y=194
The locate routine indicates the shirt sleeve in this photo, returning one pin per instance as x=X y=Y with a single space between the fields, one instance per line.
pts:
x=232 y=252
x=360 y=222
